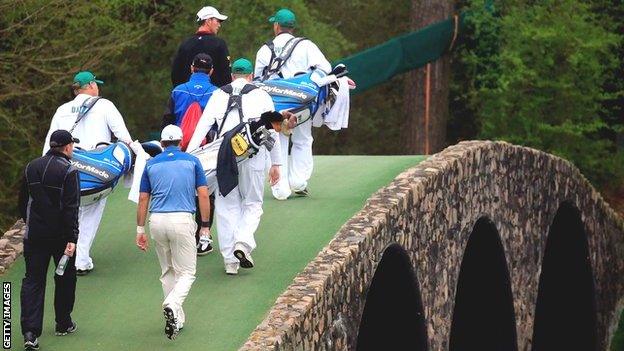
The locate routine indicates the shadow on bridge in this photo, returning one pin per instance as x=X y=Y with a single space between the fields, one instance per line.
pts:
x=393 y=317
x=483 y=318
x=565 y=314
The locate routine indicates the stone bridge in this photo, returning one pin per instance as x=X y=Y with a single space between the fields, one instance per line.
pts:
x=484 y=246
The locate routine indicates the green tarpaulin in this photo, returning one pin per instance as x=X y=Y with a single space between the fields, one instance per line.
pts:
x=378 y=64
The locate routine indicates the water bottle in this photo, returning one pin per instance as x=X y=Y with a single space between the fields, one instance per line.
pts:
x=60 y=269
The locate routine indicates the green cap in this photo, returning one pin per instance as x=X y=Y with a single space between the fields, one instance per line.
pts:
x=85 y=77
x=242 y=66
x=284 y=17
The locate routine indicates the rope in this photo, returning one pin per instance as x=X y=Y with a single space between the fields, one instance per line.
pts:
x=427 y=101
x=455 y=31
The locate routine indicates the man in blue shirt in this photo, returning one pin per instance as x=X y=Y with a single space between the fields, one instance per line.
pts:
x=198 y=89
x=170 y=181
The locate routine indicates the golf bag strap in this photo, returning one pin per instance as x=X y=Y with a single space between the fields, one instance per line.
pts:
x=271 y=46
x=84 y=109
x=234 y=101
x=280 y=60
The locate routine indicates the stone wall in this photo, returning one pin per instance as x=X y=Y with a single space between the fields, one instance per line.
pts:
x=11 y=246
x=430 y=210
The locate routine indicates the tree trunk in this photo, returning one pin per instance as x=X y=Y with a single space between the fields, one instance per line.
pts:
x=424 y=130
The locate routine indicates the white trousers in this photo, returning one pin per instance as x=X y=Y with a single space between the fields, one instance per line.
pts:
x=89 y=218
x=174 y=234
x=238 y=214
x=297 y=170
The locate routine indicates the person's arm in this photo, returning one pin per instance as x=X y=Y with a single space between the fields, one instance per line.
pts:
x=144 y=196
x=116 y=123
x=274 y=171
x=141 y=237
x=262 y=60
x=222 y=73
x=23 y=198
x=203 y=197
x=267 y=104
x=276 y=155
x=169 y=116
x=71 y=203
x=180 y=68
x=207 y=119
x=53 y=127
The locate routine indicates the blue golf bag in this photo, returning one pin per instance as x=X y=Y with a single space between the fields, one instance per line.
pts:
x=100 y=169
x=303 y=94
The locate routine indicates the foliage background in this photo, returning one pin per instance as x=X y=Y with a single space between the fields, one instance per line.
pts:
x=542 y=75
x=545 y=74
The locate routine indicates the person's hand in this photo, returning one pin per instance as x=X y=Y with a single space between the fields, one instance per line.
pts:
x=290 y=118
x=141 y=241
x=351 y=83
x=136 y=147
x=274 y=175
x=70 y=249
x=204 y=231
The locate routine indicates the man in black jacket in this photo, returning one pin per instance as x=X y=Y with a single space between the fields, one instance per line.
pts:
x=204 y=41
x=48 y=203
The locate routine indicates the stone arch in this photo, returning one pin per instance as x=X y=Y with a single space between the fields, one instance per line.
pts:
x=393 y=317
x=565 y=312
x=483 y=316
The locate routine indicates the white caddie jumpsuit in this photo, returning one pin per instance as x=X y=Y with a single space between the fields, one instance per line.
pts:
x=99 y=125
x=238 y=214
x=296 y=172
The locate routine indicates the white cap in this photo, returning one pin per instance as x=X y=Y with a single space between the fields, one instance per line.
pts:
x=210 y=12
x=171 y=132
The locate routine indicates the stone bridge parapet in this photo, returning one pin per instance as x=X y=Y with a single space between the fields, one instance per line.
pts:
x=430 y=211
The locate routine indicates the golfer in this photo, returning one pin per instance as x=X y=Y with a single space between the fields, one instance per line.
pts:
x=205 y=41
x=168 y=185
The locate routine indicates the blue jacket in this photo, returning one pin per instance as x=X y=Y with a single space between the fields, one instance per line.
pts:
x=199 y=88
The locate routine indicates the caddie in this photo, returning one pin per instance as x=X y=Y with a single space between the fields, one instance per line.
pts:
x=238 y=212
x=93 y=120
x=284 y=56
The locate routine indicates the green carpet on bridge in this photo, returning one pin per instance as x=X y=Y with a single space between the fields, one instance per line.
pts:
x=118 y=304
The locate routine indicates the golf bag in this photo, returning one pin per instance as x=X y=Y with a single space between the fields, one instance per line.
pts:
x=305 y=94
x=243 y=143
x=100 y=169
